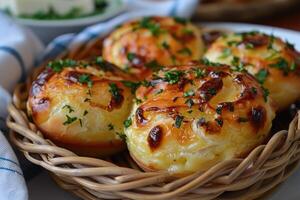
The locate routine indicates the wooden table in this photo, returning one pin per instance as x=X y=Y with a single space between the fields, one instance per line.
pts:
x=290 y=20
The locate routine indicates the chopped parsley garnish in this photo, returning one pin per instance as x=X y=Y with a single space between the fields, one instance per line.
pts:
x=165 y=45
x=138 y=101
x=178 y=121
x=131 y=56
x=249 y=46
x=219 y=110
x=127 y=122
x=104 y=65
x=262 y=75
x=225 y=53
x=187 y=31
x=110 y=127
x=85 y=113
x=58 y=65
x=173 y=77
x=290 y=45
x=271 y=41
x=122 y=136
x=281 y=64
x=181 y=20
x=87 y=99
x=115 y=91
x=232 y=43
x=154 y=65
x=69 y=120
x=242 y=119
x=254 y=90
x=69 y=108
x=200 y=73
x=85 y=78
x=132 y=85
x=212 y=91
x=189 y=93
x=159 y=91
x=185 y=51
x=293 y=66
x=219 y=122
x=237 y=65
x=153 y=27
x=265 y=93
x=205 y=61
x=189 y=102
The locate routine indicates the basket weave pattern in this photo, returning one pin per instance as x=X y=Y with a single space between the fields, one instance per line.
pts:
x=90 y=178
x=119 y=177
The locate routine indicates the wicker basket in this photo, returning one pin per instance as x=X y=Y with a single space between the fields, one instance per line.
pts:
x=119 y=177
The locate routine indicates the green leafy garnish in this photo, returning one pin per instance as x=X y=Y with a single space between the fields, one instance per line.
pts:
x=189 y=102
x=173 y=77
x=200 y=73
x=69 y=108
x=132 y=85
x=265 y=94
x=153 y=27
x=127 y=122
x=85 y=113
x=189 y=93
x=281 y=64
x=154 y=65
x=110 y=127
x=181 y=20
x=262 y=75
x=178 y=121
x=85 y=78
x=69 y=120
x=131 y=56
x=59 y=65
x=165 y=45
x=225 y=53
x=122 y=136
x=115 y=91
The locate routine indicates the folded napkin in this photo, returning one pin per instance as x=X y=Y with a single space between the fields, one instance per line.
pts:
x=19 y=52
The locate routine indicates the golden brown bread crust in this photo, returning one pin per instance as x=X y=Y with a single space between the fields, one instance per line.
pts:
x=144 y=45
x=81 y=106
x=274 y=63
x=191 y=117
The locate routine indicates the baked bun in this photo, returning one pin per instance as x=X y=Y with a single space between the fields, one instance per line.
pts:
x=81 y=106
x=192 y=117
x=144 y=45
x=273 y=62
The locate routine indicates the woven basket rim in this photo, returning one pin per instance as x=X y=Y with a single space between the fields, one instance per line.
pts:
x=90 y=178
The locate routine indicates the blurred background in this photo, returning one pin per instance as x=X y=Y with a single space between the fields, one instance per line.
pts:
x=280 y=13
x=51 y=18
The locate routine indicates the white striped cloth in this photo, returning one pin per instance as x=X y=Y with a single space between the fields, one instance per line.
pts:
x=19 y=50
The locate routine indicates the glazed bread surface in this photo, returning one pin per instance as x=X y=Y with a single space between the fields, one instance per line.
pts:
x=193 y=116
x=145 y=45
x=81 y=106
x=272 y=61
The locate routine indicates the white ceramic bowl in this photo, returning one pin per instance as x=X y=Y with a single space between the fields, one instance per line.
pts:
x=47 y=30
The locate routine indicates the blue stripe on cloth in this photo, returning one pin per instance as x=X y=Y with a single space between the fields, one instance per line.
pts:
x=8 y=160
x=173 y=11
x=18 y=57
x=11 y=170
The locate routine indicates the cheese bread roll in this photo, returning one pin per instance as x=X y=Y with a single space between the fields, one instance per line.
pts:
x=145 y=45
x=273 y=62
x=192 y=117
x=81 y=106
